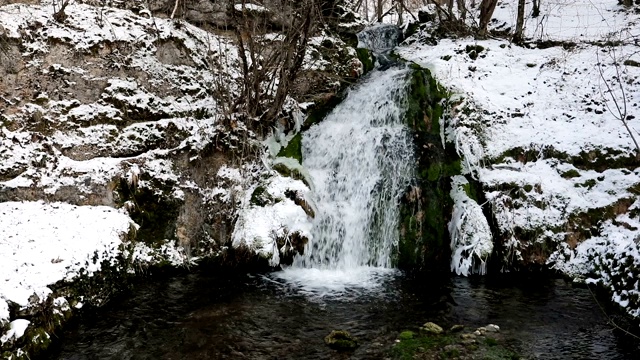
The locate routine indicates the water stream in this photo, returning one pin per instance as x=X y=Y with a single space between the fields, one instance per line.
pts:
x=201 y=316
x=360 y=158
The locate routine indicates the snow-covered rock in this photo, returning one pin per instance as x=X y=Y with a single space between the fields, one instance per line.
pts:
x=538 y=128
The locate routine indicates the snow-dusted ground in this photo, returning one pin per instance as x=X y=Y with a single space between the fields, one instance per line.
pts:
x=539 y=129
x=42 y=244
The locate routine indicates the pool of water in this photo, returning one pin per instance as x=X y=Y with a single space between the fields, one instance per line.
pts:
x=202 y=316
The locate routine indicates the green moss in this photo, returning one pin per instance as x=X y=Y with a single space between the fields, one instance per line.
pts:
x=293 y=149
x=437 y=170
x=499 y=353
x=448 y=347
x=570 y=174
x=599 y=159
x=156 y=213
x=425 y=211
x=341 y=340
x=406 y=335
x=260 y=196
x=366 y=58
x=321 y=109
x=490 y=341
x=407 y=348
x=588 y=184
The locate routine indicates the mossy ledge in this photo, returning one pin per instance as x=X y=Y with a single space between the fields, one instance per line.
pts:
x=426 y=205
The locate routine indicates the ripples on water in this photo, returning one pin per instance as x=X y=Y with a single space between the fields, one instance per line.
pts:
x=282 y=316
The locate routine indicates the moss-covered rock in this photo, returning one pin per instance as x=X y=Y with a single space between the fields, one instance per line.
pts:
x=410 y=345
x=341 y=340
x=426 y=205
x=154 y=208
x=293 y=149
x=432 y=328
x=366 y=58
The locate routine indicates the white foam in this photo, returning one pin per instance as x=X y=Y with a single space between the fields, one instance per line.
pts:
x=360 y=159
x=343 y=283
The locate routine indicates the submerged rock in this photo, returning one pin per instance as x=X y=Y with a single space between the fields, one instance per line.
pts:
x=341 y=340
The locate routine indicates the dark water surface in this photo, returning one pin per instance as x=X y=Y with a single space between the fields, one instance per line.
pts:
x=198 y=316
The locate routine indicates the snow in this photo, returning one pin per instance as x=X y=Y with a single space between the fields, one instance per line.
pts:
x=259 y=227
x=43 y=243
x=250 y=7
x=471 y=239
x=16 y=330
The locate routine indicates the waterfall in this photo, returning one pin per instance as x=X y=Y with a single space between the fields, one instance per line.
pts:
x=360 y=158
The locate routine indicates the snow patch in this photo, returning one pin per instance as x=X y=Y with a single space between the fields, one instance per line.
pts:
x=44 y=243
x=16 y=330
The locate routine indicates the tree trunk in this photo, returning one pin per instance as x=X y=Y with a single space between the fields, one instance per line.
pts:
x=517 y=36
x=486 y=12
x=536 y=9
x=462 y=9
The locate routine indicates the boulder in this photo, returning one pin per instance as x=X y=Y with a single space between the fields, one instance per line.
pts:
x=431 y=328
x=341 y=340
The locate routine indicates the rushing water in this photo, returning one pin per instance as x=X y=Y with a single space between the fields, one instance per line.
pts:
x=199 y=316
x=360 y=159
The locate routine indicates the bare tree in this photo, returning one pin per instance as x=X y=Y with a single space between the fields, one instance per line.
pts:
x=269 y=67
x=619 y=109
x=486 y=12
x=517 y=36
x=536 y=9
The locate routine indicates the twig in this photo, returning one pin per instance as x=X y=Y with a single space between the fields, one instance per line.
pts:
x=621 y=110
x=609 y=319
x=175 y=8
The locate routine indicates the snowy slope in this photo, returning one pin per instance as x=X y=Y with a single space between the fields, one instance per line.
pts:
x=538 y=127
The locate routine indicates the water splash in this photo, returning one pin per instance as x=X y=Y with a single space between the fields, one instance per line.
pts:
x=380 y=38
x=360 y=158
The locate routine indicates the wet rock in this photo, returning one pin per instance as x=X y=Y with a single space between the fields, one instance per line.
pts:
x=469 y=341
x=341 y=340
x=456 y=328
x=467 y=336
x=492 y=328
x=432 y=328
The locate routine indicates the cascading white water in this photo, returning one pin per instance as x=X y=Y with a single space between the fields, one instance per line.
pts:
x=360 y=158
